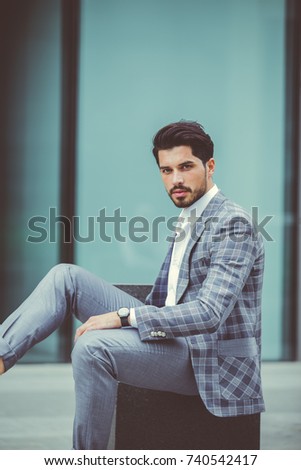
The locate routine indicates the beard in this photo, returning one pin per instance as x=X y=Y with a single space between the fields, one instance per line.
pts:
x=190 y=197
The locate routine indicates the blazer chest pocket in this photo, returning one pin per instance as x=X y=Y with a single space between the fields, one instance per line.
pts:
x=239 y=370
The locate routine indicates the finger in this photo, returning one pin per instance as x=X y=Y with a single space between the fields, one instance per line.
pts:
x=87 y=326
x=81 y=330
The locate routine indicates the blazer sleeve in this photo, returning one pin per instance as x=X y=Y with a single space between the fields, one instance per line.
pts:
x=234 y=247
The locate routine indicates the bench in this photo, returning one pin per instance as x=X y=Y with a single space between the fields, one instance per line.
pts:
x=149 y=419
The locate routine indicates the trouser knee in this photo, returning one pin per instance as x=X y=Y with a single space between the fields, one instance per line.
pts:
x=60 y=271
x=81 y=354
x=64 y=277
x=91 y=352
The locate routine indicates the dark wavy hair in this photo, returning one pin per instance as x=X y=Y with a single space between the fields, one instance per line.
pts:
x=188 y=133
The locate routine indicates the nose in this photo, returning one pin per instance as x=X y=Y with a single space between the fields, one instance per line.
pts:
x=177 y=178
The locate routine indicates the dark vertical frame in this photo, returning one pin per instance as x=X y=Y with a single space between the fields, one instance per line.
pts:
x=12 y=31
x=291 y=174
x=70 y=20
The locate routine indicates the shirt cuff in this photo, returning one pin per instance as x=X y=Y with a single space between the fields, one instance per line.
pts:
x=133 y=321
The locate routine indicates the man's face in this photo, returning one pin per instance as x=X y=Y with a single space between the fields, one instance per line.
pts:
x=185 y=177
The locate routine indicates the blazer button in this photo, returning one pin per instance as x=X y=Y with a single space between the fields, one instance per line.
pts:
x=153 y=333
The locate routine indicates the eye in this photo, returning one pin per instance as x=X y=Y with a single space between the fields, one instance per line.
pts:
x=187 y=166
x=165 y=171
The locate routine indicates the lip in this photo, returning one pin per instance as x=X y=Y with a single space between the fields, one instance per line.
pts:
x=180 y=192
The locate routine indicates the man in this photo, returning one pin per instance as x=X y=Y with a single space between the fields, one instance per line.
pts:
x=199 y=331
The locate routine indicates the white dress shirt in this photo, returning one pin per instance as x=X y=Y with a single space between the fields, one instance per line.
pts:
x=185 y=223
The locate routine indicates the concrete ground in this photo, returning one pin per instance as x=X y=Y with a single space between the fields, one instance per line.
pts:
x=37 y=403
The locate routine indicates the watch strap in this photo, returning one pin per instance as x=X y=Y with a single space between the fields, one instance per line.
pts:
x=125 y=321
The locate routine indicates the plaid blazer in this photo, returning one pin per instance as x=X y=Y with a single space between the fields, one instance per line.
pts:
x=218 y=308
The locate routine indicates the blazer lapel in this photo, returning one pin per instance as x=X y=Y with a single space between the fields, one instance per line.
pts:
x=158 y=294
x=197 y=231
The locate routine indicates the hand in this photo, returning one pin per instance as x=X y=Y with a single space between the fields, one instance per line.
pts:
x=104 y=321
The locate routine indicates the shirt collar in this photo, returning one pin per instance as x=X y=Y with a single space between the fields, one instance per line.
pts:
x=198 y=207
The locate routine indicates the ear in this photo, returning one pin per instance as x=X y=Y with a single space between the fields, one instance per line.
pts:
x=210 y=166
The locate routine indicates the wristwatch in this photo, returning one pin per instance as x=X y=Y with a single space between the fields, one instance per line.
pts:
x=124 y=314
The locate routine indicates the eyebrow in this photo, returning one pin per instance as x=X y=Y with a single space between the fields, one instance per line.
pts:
x=187 y=162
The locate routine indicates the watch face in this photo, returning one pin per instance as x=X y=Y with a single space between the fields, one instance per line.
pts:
x=123 y=312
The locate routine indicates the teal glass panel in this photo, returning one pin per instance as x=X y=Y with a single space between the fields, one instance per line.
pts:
x=30 y=148
x=147 y=63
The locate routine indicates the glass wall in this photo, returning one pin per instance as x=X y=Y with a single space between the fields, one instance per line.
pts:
x=30 y=148
x=145 y=64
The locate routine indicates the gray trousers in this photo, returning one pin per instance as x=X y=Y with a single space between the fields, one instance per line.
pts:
x=100 y=358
